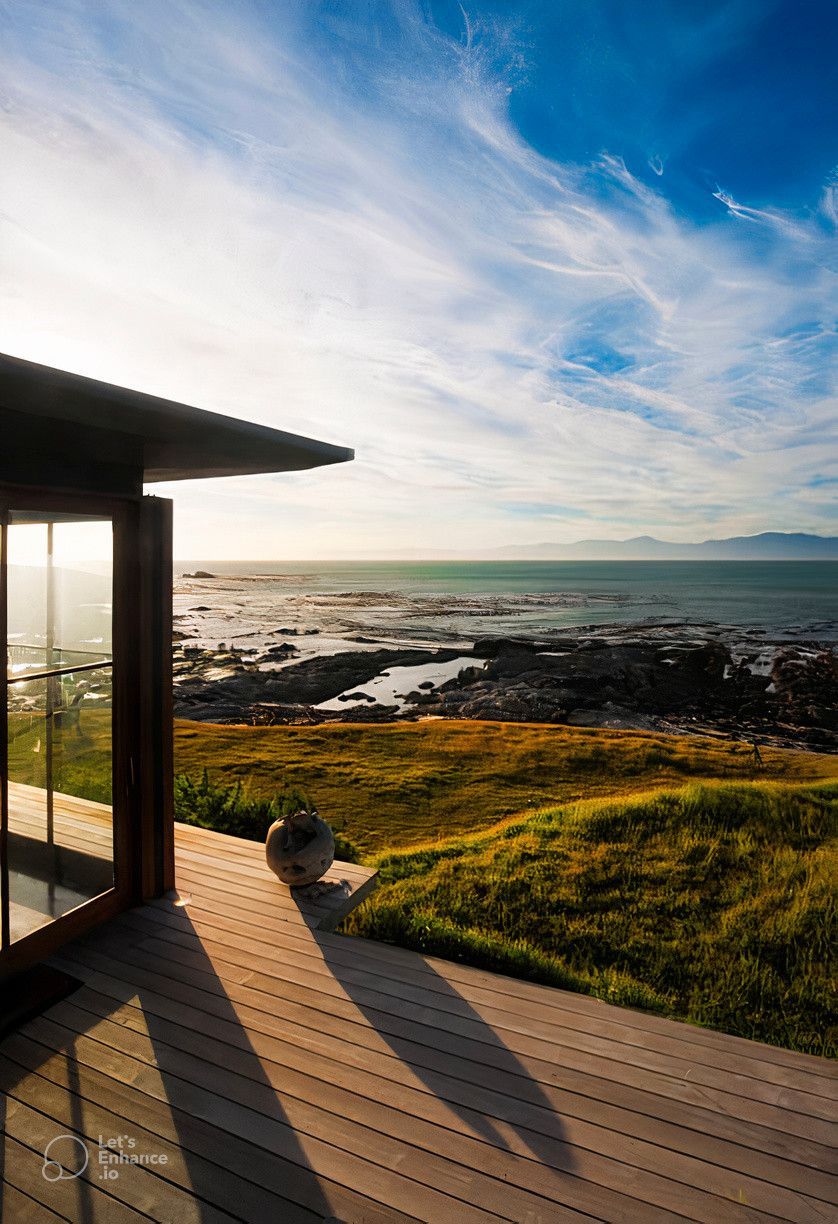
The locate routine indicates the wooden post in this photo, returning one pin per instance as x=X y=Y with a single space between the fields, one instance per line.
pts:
x=4 y=741
x=154 y=759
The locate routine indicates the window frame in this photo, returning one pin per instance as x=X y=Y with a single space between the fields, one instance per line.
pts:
x=126 y=653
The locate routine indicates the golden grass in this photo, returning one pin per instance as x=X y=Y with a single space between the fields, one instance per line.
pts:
x=406 y=783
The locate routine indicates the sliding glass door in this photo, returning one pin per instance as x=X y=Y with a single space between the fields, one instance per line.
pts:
x=57 y=845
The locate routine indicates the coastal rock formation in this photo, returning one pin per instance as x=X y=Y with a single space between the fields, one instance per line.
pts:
x=667 y=677
x=228 y=686
x=806 y=684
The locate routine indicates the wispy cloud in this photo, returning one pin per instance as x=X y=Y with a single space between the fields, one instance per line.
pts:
x=338 y=229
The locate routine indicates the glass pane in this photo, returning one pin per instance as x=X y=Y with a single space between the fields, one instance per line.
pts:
x=60 y=591
x=60 y=816
x=60 y=720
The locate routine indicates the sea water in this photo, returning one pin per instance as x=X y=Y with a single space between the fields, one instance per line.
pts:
x=457 y=601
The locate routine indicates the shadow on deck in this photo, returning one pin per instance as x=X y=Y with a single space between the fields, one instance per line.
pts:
x=286 y=1073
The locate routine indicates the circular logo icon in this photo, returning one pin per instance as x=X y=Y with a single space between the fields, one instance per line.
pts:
x=65 y=1157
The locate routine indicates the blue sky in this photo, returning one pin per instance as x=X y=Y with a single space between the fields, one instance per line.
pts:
x=556 y=270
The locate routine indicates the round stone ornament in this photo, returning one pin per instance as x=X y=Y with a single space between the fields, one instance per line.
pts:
x=300 y=848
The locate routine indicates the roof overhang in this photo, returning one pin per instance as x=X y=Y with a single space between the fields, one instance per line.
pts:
x=163 y=439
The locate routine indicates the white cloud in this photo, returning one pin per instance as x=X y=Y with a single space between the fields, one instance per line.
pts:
x=212 y=214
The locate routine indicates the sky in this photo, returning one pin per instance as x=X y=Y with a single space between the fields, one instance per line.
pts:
x=556 y=270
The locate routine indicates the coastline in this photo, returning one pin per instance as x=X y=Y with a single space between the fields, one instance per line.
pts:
x=295 y=656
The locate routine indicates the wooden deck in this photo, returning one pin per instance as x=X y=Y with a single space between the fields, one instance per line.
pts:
x=86 y=828
x=288 y=1074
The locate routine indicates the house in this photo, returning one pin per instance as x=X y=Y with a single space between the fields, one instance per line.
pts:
x=199 y=1045
x=85 y=628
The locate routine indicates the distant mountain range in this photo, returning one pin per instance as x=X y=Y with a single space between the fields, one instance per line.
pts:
x=769 y=546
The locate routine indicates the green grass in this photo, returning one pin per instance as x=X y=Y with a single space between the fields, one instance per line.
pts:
x=82 y=758
x=714 y=903
x=397 y=785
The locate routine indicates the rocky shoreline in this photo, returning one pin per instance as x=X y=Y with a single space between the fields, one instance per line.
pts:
x=699 y=678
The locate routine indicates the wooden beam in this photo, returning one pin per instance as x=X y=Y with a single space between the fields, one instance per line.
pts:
x=156 y=749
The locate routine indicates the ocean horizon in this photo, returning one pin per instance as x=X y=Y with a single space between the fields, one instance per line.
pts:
x=464 y=599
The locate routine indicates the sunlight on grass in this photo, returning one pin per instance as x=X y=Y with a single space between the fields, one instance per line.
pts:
x=652 y=871
x=714 y=903
x=407 y=783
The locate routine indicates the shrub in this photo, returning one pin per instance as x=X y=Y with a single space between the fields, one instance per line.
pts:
x=227 y=809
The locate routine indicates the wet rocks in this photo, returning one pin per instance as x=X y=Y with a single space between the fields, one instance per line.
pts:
x=227 y=687
x=805 y=683
x=667 y=677
x=282 y=650
x=626 y=681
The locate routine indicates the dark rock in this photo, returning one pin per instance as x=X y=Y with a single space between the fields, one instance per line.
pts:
x=489 y=648
x=673 y=677
x=612 y=717
x=806 y=687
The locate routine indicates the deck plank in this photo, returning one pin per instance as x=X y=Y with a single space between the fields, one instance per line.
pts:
x=26 y=1132
x=295 y=1074
x=398 y=962
x=642 y=1157
x=22 y=1209
x=307 y=955
x=701 y=1120
x=480 y=1062
x=485 y=1025
x=213 y=1158
x=528 y=1098
x=500 y=1121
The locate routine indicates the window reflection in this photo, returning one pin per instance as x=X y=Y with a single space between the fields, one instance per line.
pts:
x=59 y=712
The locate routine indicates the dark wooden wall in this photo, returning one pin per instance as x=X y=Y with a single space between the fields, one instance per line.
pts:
x=156 y=764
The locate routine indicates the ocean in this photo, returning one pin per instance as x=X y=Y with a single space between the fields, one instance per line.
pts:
x=457 y=601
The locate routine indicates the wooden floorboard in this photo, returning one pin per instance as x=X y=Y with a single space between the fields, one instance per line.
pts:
x=295 y=1075
x=485 y=1026
x=258 y=954
x=87 y=828
x=398 y=963
x=540 y=1086
x=208 y=1158
x=503 y=1121
x=640 y=1155
x=587 y=1006
x=25 y=1210
x=698 y=1119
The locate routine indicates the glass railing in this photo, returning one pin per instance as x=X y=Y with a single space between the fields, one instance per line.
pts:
x=60 y=826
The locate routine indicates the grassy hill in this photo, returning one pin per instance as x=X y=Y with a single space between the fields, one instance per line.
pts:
x=654 y=871
x=714 y=903
x=406 y=783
